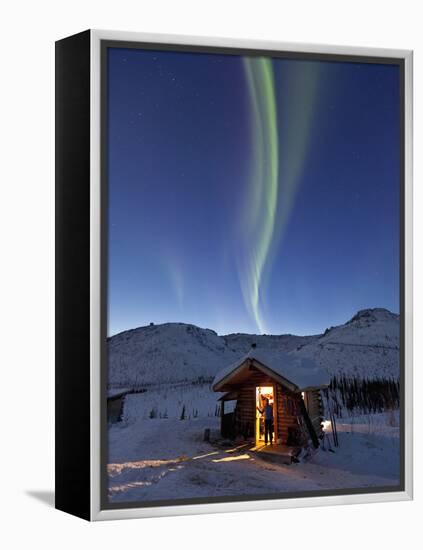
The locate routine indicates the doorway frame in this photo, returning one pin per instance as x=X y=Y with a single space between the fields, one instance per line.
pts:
x=257 y=439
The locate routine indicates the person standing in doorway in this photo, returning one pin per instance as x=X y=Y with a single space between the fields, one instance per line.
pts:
x=267 y=412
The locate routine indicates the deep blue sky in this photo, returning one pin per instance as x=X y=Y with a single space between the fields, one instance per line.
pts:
x=181 y=162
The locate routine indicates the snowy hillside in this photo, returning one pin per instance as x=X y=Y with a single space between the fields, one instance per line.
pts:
x=172 y=352
x=376 y=327
x=241 y=343
x=178 y=352
x=366 y=346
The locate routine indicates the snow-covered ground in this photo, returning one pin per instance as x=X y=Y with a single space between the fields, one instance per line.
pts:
x=163 y=459
x=172 y=401
x=157 y=452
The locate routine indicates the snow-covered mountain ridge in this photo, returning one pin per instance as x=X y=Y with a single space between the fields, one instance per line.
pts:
x=366 y=346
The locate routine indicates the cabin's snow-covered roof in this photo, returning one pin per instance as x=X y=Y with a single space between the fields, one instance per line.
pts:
x=117 y=392
x=302 y=372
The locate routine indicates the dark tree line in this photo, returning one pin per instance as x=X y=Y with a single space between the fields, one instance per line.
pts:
x=370 y=395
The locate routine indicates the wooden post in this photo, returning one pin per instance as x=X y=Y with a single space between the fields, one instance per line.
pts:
x=275 y=415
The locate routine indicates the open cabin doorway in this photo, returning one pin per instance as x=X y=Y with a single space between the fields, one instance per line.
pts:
x=262 y=394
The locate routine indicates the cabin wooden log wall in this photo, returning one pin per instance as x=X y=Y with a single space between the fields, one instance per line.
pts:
x=314 y=406
x=245 y=411
x=288 y=406
x=297 y=411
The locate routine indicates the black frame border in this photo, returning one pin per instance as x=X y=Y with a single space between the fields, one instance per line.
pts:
x=72 y=275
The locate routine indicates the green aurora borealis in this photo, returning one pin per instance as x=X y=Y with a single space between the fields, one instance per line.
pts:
x=272 y=187
x=250 y=193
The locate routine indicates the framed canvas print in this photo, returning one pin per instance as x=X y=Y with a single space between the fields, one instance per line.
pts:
x=233 y=275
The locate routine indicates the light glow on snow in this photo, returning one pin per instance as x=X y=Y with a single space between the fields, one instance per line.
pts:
x=117 y=469
x=205 y=456
x=326 y=425
x=232 y=458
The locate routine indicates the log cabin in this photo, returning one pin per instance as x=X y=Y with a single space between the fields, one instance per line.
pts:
x=291 y=384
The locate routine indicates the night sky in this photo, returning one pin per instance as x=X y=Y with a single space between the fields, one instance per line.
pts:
x=250 y=194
